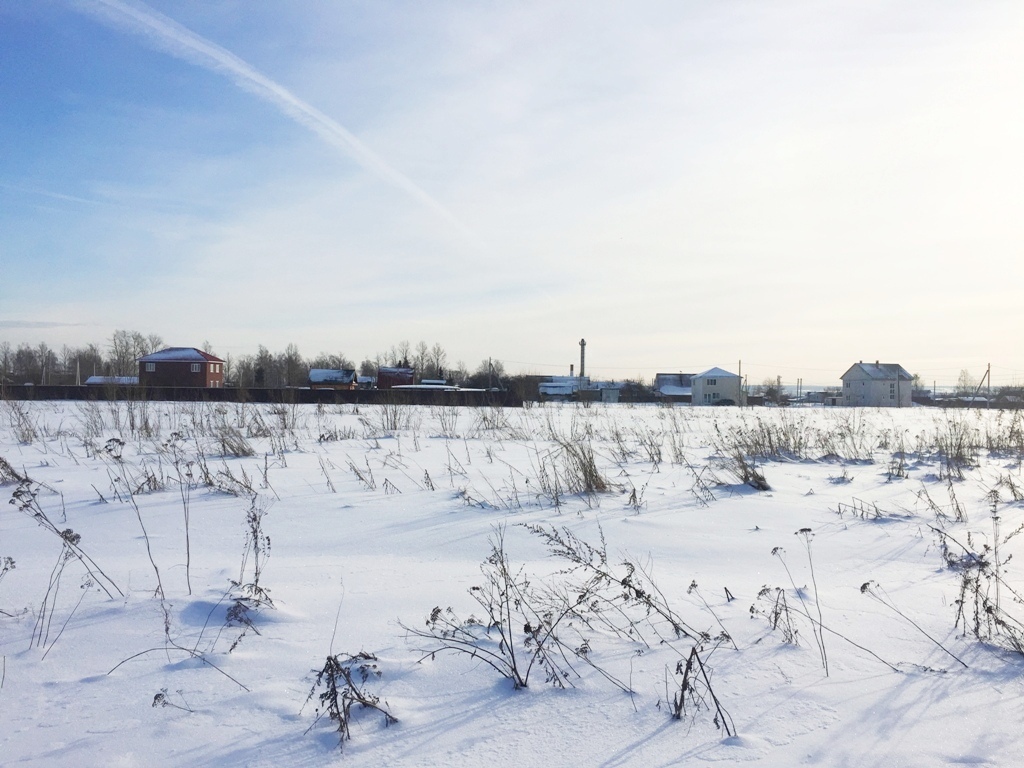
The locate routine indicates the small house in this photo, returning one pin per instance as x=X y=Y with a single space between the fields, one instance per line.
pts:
x=878 y=385
x=674 y=387
x=181 y=367
x=562 y=387
x=391 y=377
x=329 y=378
x=717 y=386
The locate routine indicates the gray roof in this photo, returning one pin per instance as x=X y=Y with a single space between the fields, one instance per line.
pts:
x=180 y=355
x=878 y=372
x=126 y=381
x=331 y=376
x=716 y=373
x=672 y=379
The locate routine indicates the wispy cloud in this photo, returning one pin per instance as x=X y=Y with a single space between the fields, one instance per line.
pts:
x=46 y=193
x=36 y=324
x=168 y=35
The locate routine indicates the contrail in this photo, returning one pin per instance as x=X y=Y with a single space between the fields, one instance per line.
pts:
x=172 y=37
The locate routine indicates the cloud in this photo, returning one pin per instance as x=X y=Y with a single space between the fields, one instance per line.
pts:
x=53 y=195
x=168 y=35
x=37 y=324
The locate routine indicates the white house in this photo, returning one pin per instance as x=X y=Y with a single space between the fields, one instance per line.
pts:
x=877 y=385
x=716 y=386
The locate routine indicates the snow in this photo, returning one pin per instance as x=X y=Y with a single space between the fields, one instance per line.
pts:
x=377 y=514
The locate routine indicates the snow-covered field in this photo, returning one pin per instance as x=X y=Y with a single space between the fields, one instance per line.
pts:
x=176 y=575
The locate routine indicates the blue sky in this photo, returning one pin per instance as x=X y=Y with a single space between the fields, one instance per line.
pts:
x=798 y=185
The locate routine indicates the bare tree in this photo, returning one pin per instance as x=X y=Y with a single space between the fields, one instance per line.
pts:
x=6 y=361
x=399 y=355
x=126 y=347
x=965 y=383
x=457 y=374
x=338 y=362
x=437 y=360
x=293 y=368
x=265 y=372
x=48 y=363
x=421 y=359
x=25 y=365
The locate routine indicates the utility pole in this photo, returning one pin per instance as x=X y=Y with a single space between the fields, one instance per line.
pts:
x=986 y=378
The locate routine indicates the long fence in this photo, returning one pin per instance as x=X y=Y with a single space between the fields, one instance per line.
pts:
x=262 y=395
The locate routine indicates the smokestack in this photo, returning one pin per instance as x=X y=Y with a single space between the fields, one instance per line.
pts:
x=583 y=358
x=571 y=368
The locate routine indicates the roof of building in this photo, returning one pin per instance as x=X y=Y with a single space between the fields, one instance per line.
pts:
x=331 y=376
x=715 y=373
x=124 y=381
x=563 y=385
x=672 y=379
x=879 y=371
x=180 y=355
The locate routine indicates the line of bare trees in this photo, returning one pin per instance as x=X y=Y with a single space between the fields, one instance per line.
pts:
x=42 y=364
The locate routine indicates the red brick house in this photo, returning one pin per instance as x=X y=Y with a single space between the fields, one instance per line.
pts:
x=394 y=377
x=181 y=367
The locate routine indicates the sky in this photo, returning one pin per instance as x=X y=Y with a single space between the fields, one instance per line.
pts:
x=795 y=185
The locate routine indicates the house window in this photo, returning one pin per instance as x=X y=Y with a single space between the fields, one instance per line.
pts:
x=847 y=385
x=196 y=367
x=712 y=382
x=150 y=367
x=892 y=388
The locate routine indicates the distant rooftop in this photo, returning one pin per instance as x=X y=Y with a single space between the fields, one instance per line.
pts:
x=879 y=371
x=180 y=355
x=717 y=373
x=331 y=376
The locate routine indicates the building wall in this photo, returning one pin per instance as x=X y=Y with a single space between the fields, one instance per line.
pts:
x=876 y=393
x=724 y=388
x=168 y=373
x=394 y=377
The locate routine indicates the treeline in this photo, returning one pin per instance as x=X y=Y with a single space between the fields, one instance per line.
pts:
x=41 y=364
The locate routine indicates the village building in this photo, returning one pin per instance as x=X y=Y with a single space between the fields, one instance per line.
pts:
x=181 y=367
x=394 y=376
x=674 y=387
x=878 y=385
x=717 y=386
x=329 y=378
x=562 y=387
